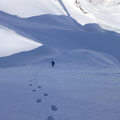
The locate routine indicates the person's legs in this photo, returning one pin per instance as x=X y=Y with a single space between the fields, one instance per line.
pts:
x=52 y=65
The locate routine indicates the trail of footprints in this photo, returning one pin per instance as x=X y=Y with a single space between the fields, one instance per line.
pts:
x=39 y=100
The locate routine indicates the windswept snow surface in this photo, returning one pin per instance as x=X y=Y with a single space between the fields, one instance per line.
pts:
x=11 y=42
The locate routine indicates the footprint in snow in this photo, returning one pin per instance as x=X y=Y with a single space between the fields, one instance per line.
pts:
x=34 y=90
x=30 y=84
x=54 y=108
x=38 y=101
x=50 y=118
x=45 y=94
x=39 y=87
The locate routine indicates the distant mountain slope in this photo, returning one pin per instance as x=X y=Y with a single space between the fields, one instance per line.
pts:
x=28 y=8
x=58 y=24
x=102 y=12
x=63 y=32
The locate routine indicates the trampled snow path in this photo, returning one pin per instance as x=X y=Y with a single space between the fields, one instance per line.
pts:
x=64 y=94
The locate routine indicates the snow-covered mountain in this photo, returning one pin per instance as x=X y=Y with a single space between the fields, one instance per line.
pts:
x=102 y=12
x=61 y=24
x=81 y=37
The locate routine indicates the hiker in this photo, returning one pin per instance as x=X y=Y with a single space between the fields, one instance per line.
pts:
x=52 y=63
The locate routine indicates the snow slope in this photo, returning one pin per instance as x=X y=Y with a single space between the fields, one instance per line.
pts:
x=50 y=20
x=63 y=32
x=85 y=59
x=102 y=12
x=27 y=8
x=105 y=13
x=28 y=57
x=84 y=11
x=12 y=42
x=79 y=59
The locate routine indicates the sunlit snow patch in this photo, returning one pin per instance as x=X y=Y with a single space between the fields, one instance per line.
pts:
x=106 y=12
x=11 y=42
x=28 y=8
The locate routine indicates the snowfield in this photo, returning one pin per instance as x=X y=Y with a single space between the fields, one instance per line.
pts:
x=34 y=93
x=82 y=37
x=83 y=85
